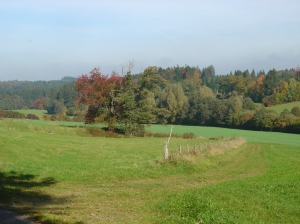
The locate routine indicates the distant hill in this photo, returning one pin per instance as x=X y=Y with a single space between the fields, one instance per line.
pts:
x=23 y=94
x=17 y=85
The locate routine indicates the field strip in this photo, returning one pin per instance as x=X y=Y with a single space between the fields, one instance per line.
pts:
x=248 y=162
x=125 y=198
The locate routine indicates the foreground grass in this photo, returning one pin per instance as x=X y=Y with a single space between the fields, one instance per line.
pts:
x=70 y=177
x=270 y=195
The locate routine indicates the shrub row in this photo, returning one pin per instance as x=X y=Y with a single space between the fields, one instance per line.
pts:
x=11 y=114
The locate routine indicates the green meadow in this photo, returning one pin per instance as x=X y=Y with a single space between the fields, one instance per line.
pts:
x=61 y=174
x=38 y=113
x=289 y=106
x=250 y=136
x=281 y=107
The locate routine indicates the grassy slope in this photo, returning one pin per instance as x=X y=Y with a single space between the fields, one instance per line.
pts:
x=263 y=189
x=68 y=177
x=289 y=106
x=55 y=123
x=38 y=113
x=250 y=136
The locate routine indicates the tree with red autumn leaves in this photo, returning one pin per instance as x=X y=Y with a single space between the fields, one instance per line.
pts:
x=119 y=100
x=40 y=103
x=98 y=92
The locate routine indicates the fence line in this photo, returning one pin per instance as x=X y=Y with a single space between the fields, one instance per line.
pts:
x=213 y=148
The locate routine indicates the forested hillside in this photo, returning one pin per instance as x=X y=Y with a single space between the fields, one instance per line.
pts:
x=29 y=94
x=179 y=95
x=272 y=88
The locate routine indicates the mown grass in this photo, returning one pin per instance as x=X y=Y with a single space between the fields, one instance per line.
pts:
x=71 y=177
x=270 y=197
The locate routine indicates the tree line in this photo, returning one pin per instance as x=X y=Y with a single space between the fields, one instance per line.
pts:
x=29 y=94
x=178 y=95
x=126 y=102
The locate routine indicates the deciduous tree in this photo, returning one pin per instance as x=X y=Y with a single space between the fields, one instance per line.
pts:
x=173 y=99
x=98 y=92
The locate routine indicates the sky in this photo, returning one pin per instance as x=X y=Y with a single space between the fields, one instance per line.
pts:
x=50 y=39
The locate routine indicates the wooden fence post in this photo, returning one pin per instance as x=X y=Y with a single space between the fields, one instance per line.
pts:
x=166 y=150
x=180 y=149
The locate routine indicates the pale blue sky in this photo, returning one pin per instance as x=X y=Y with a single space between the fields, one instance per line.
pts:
x=49 y=39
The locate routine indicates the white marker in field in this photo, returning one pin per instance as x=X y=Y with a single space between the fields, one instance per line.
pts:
x=166 y=145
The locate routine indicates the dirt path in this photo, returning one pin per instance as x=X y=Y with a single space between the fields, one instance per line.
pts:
x=9 y=217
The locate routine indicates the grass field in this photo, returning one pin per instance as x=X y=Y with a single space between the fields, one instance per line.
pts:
x=258 y=104
x=70 y=177
x=54 y=123
x=280 y=108
x=38 y=113
x=289 y=106
x=250 y=136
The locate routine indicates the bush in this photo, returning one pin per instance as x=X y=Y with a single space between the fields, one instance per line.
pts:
x=98 y=132
x=263 y=119
x=296 y=111
x=217 y=138
x=71 y=111
x=54 y=117
x=248 y=104
x=12 y=114
x=189 y=135
x=46 y=117
x=78 y=119
x=32 y=117
x=161 y=135
x=137 y=130
x=59 y=117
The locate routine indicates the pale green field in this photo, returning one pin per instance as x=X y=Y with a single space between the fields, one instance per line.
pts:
x=51 y=123
x=250 y=136
x=38 y=113
x=258 y=104
x=280 y=108
x=70 y=177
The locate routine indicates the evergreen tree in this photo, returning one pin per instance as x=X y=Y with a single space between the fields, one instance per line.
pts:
x=208 y=77
x=253 y=74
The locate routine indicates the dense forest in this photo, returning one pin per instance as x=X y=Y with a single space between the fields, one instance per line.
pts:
x=30 y=94
x=179 y=95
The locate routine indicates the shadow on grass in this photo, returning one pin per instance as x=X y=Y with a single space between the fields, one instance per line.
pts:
x=21 y=193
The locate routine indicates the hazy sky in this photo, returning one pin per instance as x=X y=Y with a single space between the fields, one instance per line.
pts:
x=49 y=39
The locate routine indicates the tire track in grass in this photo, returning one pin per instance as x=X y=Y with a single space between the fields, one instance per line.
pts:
x=247 y=161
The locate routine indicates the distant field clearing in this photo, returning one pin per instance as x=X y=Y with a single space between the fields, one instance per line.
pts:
x=289 y=106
